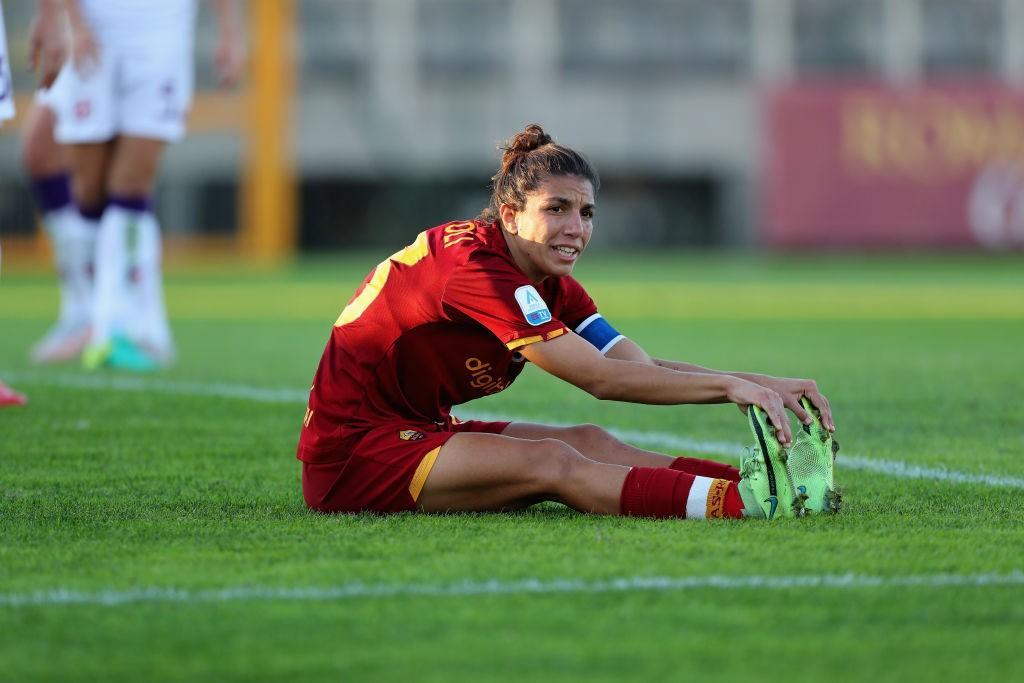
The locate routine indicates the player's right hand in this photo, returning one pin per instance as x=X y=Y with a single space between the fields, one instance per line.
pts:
x=744 y=394
x=47 y=48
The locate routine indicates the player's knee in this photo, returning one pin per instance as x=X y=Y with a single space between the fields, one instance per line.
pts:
x=555 y=464
x=592 y=435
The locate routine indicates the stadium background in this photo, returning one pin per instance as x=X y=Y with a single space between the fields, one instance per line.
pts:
x=732 y=123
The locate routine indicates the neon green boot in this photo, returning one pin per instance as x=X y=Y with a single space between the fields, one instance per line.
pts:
x=812 y=463
x=766 y=486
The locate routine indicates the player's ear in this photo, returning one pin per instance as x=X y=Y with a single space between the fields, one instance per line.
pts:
x=508 y=218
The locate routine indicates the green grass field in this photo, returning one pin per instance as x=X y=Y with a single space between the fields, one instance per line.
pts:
x=153 y=528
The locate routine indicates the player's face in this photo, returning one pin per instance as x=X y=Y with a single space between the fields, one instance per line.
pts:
x=553 y=228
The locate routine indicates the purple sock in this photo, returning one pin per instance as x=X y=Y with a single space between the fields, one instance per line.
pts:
x=92 y=213
x=52 y=192
x=138 y=204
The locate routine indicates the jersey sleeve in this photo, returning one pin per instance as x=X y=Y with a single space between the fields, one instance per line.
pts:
x=499 y=297
x=575 y=305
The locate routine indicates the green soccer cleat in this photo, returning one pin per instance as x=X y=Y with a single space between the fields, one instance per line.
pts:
x=95 y=355
x=118 y=354
x=766 y=486
x=812 y=462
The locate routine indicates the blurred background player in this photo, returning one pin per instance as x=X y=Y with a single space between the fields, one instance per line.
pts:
x=46 y=164
x=128 y=89
x=46 y=64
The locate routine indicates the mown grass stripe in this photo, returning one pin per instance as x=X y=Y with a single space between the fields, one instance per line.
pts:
x=890 y=468
x=348 y=591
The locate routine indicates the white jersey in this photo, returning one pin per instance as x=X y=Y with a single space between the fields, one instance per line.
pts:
x=6 y=84
x=142 y=85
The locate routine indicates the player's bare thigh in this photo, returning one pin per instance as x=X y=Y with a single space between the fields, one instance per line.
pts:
x=487 y=472
x=134 y=165
x=593 y=442
x=41 y=155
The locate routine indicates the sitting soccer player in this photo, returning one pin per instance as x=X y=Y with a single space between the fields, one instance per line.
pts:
x=455 y=316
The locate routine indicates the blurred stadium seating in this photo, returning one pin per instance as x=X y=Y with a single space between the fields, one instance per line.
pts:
x=398 y=106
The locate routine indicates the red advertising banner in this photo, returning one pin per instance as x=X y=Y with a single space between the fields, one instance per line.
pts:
x=872 y=166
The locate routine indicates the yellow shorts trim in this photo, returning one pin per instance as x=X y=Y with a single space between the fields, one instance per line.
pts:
x=420 y=477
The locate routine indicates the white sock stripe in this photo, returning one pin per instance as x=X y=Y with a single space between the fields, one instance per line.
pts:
x=697 y=500
x=464 y=588
x=890 y=468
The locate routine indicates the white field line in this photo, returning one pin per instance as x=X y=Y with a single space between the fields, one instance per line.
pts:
x=494 y=587
x=891 y=468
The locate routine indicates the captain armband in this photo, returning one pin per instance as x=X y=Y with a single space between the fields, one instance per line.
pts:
x=599 y=332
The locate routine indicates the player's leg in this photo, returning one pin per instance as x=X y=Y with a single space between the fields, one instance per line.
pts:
x=130 y=217
x=598 y=444
x=494 y=472
x=47 y=165
x=91 y=164
x=157 y=92
x=87 y=124
x=478 y=472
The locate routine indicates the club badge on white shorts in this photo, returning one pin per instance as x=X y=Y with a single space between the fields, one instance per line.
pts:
x=532 y=306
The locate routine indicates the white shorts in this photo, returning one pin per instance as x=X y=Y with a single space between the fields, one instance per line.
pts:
x=50 y=97
x=6 y=84
x=136 y=89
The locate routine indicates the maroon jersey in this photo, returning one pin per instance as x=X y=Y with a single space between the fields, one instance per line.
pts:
x=435 y=325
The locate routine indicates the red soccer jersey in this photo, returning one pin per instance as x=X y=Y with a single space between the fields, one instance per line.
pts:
x=435 y=325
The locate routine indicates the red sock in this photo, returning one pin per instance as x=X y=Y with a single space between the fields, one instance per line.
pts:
x=732 y=506
x=706 y=468
x=661 y=492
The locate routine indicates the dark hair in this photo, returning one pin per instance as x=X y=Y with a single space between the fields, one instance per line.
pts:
x=528 y=158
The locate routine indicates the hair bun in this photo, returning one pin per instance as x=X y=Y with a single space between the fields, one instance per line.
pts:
x=520 y=144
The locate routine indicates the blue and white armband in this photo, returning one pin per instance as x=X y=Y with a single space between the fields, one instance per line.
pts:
x=599 y=333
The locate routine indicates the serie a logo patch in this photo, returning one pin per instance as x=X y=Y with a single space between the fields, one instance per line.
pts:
x=410 y=435
x=533 y=307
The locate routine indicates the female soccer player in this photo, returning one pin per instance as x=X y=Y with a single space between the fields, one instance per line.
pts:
x=128 y=90
x=457 y=314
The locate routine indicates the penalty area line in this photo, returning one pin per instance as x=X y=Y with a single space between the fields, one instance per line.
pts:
x=494 y=587
x=889 y=468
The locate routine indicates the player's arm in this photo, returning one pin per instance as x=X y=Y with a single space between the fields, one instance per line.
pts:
x=572 y=358
x=230 y=54
x=46 y=44
x=789 y=389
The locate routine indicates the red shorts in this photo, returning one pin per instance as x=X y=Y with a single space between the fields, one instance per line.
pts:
x=385 y=470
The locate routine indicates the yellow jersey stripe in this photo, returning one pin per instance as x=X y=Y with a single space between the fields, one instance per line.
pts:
x=516 y=343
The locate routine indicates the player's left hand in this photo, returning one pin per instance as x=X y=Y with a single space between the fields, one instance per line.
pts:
x=792 y=389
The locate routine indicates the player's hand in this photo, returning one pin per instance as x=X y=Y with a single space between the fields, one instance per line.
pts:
x=47 y=48
x=744 y=394
x=229 y=60
x=792 y=389
x=85 y=51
